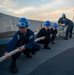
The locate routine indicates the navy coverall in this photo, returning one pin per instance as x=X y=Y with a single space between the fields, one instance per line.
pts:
x=69 y=25
x=61 y=20
x=19 y=39
x=53 y=32
x=45 y=33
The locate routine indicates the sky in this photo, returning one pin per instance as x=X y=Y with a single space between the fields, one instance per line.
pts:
x=38 y=9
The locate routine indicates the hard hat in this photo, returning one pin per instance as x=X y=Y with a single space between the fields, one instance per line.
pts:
x=47 y=23
x=55 y=25
x=22 y=23
x=63 y=15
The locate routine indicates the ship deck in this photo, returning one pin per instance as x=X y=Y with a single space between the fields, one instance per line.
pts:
x=59 y=60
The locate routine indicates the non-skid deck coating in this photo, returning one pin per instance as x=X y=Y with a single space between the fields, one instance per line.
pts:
x=62 y=64
x=43 y=58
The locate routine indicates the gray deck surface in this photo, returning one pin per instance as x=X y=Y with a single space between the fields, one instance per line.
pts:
x=62 y=64
x=52 y=58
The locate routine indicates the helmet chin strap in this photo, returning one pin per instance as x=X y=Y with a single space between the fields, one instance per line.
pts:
x=25 y=32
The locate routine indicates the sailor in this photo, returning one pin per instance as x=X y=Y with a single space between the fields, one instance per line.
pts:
x=53 y=32
x=45 y=31
x=60 y=21
x=69 y=25
x=24 y=36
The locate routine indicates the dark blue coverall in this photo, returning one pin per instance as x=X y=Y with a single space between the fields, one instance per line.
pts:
x=19 y=39
x=45 y=33
x=53 y=32
x=69 y=25
x=61 y=20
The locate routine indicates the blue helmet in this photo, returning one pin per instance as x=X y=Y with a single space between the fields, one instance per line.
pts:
x=47 y=23
x=22 y=23
x=55 y=25
x=63 y=15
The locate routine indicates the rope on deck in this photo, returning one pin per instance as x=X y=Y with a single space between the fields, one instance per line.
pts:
x=61 y=30
x=16 y=50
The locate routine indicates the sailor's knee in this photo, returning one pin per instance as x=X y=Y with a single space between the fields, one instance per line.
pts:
x=37 y=46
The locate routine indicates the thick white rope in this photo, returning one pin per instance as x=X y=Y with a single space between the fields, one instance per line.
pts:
x=61 y=30
x=61 y=24
x=15 y=51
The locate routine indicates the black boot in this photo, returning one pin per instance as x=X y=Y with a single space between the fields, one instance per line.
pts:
x=70 y=36
x=66 y=38
x=27 y=54
x=46 y=47
x=13 y=67
x=53 y=42
x=33 y=53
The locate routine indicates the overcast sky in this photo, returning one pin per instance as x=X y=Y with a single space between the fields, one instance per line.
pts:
x=38 y=9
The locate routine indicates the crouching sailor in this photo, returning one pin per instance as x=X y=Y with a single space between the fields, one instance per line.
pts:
x=24 y=36
x=53 y=32
x=45 y=31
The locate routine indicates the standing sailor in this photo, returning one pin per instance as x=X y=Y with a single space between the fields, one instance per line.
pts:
x=67 y=23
